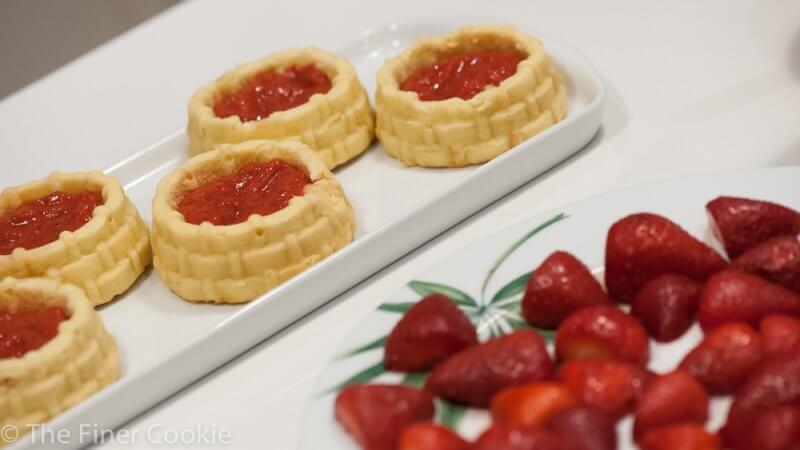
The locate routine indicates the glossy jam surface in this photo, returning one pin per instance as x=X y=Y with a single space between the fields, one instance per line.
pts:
x=25 y=331
x=270 y=91
x=462 y=76
x=39 y=222
x=256 y=188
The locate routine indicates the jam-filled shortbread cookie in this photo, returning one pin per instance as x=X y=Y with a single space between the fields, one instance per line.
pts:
x=466 y=97
x=54 y=352
x=79 y=228
x=306 y=94
x=231 y=224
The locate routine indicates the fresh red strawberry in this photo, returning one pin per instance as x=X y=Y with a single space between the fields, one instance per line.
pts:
x=735 y=296
x=559 y=286
x=777 y=260
x=473 y=375
x=430 y=436
x=765 y=413
x=612 y=387
x=531 y=405
x=680 y=436
x=724 y=358
x=779 y=334
x=375 y=414
x=429 y=332
x=774 y=382
x=668 y=399
x=774 y=428
x=584 y=428
x=666 y=306
x=741 y=223
x=507 y=437
x=602 y=333
x=642 y=246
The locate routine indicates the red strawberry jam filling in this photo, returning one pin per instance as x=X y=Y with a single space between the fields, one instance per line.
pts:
x=256 y=188
x=271 y=91
x=39 y=222
x=463 y=75
x=25 y=331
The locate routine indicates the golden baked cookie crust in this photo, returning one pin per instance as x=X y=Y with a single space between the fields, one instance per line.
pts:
x=104 y=257
x=338 y=125
x=81 y=360
x=237 y=263
x=457 y=132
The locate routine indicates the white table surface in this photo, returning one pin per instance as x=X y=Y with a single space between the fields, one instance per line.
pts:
x=693 y=87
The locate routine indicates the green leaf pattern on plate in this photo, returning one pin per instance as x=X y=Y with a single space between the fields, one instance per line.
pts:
x=498 y=316
x=366 y=375
x=425 y=288
x=401 y=307
x=416 y=379
x=377 y=343
x=449 y=414
x=513 y=288
x=504 y=256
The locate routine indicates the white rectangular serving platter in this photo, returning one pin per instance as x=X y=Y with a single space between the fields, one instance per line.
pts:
x=167 y=343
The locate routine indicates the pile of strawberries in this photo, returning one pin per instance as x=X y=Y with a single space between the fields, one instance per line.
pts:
x=748 y=308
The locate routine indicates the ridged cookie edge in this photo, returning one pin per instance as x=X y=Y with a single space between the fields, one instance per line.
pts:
x=456 y=132
x=237 y=263
x=104 y=257
x=338 y=125
x=81 y=360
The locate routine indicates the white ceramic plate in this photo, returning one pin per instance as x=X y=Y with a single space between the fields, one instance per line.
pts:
x=166 y=343
x=501 y=263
